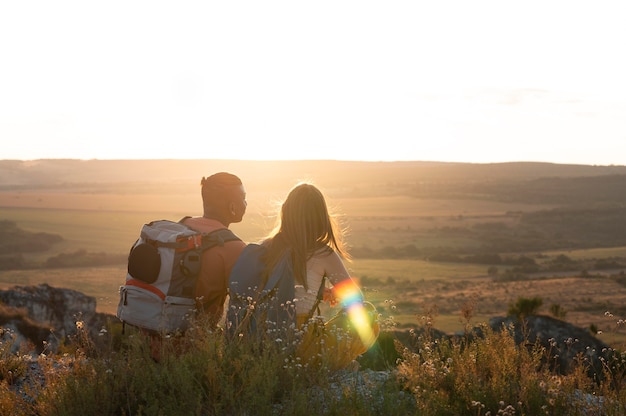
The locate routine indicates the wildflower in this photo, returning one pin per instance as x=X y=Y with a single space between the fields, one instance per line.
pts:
x=79 y=324
x=477 y=404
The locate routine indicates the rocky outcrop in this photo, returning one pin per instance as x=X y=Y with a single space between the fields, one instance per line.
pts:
x=44 y=316
x=565 y=344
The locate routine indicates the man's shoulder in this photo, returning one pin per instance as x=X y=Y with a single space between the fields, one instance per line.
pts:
x=232 y=243
x=203 y=225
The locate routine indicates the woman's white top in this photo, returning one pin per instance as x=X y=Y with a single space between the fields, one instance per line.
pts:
x=324 y=264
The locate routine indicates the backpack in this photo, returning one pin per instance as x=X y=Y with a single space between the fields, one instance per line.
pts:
x=163 y=266
x=255 y=305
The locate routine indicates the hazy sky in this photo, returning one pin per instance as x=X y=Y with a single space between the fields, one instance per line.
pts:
x=473 y=81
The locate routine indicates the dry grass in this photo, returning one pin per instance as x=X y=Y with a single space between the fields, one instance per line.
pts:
x=210 y=374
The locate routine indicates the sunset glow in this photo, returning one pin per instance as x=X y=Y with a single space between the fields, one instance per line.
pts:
x=451 y=81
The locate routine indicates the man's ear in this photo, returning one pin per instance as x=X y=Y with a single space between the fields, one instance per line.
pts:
x=232 y=208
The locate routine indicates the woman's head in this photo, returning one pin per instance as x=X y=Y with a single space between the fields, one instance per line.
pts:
x=305 y=227
x=304 y=216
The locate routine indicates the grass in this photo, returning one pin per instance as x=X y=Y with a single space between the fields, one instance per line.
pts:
x=111 y=232
x=591 y=253
x=413 y=270
x=208 y=373
x=585 y=299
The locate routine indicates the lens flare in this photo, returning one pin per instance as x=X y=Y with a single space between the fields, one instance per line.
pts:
x=348 y=293
x=351 y=299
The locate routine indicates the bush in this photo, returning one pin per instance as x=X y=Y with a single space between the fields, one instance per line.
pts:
x=525 y=307
x=15 y=240
x=491 y=375
x=557 y=311
x=82 y=258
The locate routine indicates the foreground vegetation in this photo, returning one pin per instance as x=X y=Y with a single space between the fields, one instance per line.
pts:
x=207 y=373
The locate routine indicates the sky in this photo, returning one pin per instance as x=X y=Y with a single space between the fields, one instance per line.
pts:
x=457 y=81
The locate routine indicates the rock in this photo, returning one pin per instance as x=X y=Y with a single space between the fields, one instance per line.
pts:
x=45 y=315
x=565 y=344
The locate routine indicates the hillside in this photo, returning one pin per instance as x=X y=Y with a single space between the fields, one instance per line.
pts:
x=500 y=181
x=395 y=209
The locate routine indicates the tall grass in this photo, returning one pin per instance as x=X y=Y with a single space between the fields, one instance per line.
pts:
x=208 y=373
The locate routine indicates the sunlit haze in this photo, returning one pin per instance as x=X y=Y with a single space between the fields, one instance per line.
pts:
x=481 y=81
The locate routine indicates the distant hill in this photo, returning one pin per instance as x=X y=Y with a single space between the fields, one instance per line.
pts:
x=395 y=208
x=46 y=173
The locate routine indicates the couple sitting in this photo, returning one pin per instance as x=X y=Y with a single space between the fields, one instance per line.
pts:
x=308 y=242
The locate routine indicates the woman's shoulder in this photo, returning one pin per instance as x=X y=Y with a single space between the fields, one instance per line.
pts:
x=327 y=255
x=324 y=251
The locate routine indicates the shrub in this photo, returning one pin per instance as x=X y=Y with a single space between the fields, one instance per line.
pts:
x=525 y=307
x=557 y=311
x=492 y=375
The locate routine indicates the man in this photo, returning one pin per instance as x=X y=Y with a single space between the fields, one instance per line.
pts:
x=224 y=203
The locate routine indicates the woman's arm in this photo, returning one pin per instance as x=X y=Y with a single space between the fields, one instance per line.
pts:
x=345 y=289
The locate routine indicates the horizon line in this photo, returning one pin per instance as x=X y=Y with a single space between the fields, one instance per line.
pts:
x=310 y=160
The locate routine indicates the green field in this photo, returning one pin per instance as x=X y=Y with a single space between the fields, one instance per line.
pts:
x=405 y=288
x=114 y=232
x=413 y=270
x=591 y=253
x=111 y=232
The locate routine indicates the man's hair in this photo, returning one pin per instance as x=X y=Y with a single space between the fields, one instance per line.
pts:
x=216 y=188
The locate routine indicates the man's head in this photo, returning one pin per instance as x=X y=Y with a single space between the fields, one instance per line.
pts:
x=223 y=198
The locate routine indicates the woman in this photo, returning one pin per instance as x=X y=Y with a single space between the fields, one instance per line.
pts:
x=312 y=238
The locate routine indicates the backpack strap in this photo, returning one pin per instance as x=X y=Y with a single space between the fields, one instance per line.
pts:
x=318 y=300
x=218 y=238
x=215 y=238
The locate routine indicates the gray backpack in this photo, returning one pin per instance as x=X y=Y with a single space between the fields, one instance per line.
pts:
x=163 y=266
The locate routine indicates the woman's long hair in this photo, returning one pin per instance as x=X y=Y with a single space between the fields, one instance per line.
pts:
x=305 y=228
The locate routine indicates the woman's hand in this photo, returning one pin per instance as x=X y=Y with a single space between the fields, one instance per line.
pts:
x=329 y=296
